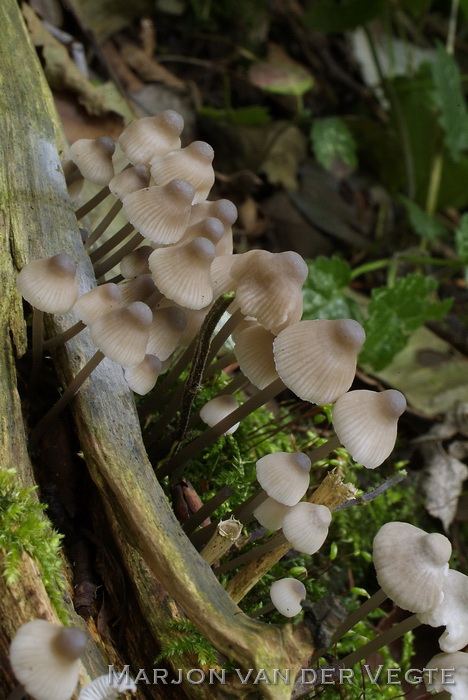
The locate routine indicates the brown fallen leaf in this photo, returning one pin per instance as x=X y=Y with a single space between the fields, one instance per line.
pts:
x=445 y=475
x=286 y=149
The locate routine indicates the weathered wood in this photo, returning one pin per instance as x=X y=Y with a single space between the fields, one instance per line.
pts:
x=38 y=221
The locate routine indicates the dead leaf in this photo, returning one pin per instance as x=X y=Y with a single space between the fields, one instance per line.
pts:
x=147 y=68
x=280 y=73
x=443 y=485
x=62 y=74
x=286 y=150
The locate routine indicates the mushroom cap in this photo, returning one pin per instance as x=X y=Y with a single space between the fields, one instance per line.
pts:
x=210 y=228
x=182 y=273
x=192 y=163
x=49 y=284
x=366 y=423
x=222 y=209
x=45 y=659
x=317 y=359
x=221 y=279
x=160 y=214
x=269 y=287
x=129 y=180
x=456 y=683
x=167 y=327
x=452 y=612
x=141 y=378
x=217 y=409
x=270 y=513
x=139 y=288
x=122 y=335
x=284 y=476
x=93 y=158
x=306 y=525
x=101 y=689
x=411 y=565
x=254 y=353
x=286 y=595
x=98 y=301
x=145 y=138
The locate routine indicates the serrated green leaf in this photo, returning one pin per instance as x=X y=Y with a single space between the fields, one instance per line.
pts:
x=334 y=17
x=424 y=225
x=461 y=239
x=449 y=97
x=394 y=314
x=332 y=140
x=324 y=290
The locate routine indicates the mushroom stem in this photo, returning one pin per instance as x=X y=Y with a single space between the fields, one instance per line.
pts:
x=91 y=203
x=207 y=509
x=17 y=693
x=65 y=399
x=37 y=346
x=174 y=466
x=104 y=224
x=114 y=259
x=321 y=452
x=382 y=640
x=111 y=243
x=63 y=337
x=264 y=610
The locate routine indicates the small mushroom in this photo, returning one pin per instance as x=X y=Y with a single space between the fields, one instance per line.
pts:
x=451 y=612
x=411 y=565
x=45 y=659
x=284 y=476
x=306 y=525
x=192 y=163
x=122 y=334
x=145 y=138
x=141 y=378
x=218 y=408
x=270 y=514
x=93 y=158
x=102 y=688
x=366 y=423
x=254 y=353
x=286 y=595
x=448 y=672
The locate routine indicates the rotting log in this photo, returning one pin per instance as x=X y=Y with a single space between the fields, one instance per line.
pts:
x=38 y=221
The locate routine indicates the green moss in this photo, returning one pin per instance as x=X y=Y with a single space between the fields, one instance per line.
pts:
x=24 y=528
x=187 y=641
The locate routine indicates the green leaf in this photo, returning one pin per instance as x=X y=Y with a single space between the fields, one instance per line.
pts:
x=394 y=314
x=331 y=141
x=324 y=290
x=334 y=17
x=424 y=225
x=461 y=239
x=450 y=100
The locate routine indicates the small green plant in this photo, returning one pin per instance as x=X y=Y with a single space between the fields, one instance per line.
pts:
x=187 y=641
x=25 y=529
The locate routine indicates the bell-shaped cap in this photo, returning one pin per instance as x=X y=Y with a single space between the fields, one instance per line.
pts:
x=103 y=688
x=141 y=378
x=366 y=423
x=269 y=287
x=192 y=163
x=449 y=672
x=166 y=330
x=226 y=212
x=136 y=262
x=221 y=279
x=210 y=228
x=122 y=335
x=93 y=158
x=146 y=138
x=411 y=565
x=129 y=180
x=217 y=409
x=451 y=612
x=286 y=595
x=270 y=513
x=98 y=301
x=284 y=476
x=45 y=658
x=182 y=273
x=49 y=284
x=160 y=214
x=306 y=525
x=254 y=353
x=317 y=359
